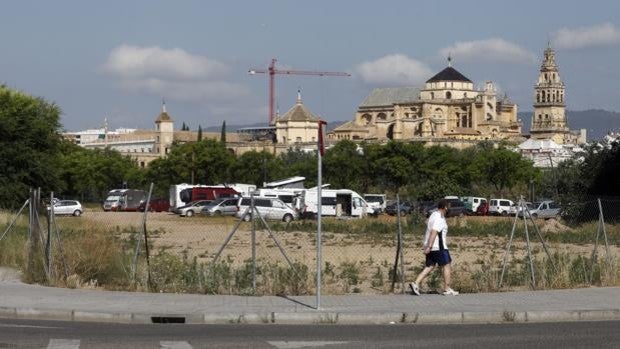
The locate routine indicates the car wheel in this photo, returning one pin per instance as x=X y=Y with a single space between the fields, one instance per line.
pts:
x=504 y=213
x=287 y=218
x=77 y=213
x=217 y=213
x=247 y=218
x=189 y=213
x=461 y=214
x=534 y=215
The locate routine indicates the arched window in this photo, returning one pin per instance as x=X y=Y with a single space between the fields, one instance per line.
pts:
x=464 y=121
x=381 y=116
x=366 y=118
x=465 y=95
x=432 y=95
x=543 y=95
x=546 y=77
x=448 y=95
x=538 y=97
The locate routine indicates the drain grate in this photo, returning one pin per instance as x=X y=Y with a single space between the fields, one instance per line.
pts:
x=168 y=319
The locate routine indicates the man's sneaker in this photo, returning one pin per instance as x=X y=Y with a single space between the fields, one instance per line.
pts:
x=450 y=292
x=414 y=288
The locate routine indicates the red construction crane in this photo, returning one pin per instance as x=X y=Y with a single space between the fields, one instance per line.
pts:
x=272 y=71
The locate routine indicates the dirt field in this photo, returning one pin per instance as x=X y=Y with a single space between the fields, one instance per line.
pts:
x=202 y=237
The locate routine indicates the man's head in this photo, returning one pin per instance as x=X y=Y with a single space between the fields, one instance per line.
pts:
x=443 y=205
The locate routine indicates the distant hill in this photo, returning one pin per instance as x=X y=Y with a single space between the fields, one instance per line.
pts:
x=598 y=122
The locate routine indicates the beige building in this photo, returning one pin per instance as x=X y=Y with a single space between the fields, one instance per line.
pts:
x=143 y=145
x=549 y=119
x=297 y=126
x=448 y=109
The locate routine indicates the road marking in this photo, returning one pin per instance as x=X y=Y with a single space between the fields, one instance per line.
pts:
x=174 y=345
x=63 y=344
x=296 y=345
x=25 y=326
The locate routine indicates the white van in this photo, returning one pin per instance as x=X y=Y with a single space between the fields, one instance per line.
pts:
x=267 y=207
x=472 y=203
x=502 y=207
x=334 y=202
x=376 y=201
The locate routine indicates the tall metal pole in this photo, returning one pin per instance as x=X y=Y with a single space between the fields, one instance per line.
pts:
x=253 y=210
x=319 y=204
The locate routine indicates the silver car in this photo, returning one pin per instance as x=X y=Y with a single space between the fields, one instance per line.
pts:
x=268 y=207
x=192 y=208
x=545 y=209
x=221 y=207
x=67 y=207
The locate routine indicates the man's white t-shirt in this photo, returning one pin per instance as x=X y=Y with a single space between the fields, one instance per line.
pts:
x=438 y=223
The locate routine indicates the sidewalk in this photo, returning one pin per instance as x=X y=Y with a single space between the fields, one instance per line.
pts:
x=18 y=300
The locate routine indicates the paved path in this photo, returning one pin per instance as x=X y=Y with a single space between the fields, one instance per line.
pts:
x=18 y=300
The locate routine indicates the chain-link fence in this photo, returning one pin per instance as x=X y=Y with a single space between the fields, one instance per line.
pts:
x=223 y=254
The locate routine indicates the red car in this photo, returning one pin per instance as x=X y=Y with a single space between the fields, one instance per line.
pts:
x=483 y=209
x=156 y=205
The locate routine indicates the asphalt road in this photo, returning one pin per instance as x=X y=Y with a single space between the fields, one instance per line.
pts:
x=63 y=335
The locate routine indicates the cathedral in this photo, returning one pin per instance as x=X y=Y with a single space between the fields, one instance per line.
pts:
x=449 y=108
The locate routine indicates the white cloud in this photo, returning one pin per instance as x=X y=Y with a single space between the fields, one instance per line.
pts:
x=172 y=73
x=493 y=50
x=394 y=69
x=605 y=34
x=128 y=61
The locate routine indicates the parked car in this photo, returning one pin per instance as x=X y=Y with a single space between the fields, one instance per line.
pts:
x=456 y=208
x=545 y=209
x=483 y=209
x=268 y=207
x=502 y=207
x=425 y=206
x=156 y=205
x=192 y=208
x=221 y=207
x=376 y=201
x=472 y=203
x=405 y=207
x=67 y=207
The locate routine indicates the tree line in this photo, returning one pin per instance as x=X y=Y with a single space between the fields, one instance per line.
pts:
x=33 y=154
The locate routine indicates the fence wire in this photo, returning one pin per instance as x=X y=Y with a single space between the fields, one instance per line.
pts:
x=97 y=248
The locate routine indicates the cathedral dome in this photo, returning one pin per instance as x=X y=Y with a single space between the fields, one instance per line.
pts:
x=449 y=74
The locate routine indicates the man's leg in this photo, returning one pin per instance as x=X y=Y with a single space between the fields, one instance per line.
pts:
x=424 y=273
x=447 y=277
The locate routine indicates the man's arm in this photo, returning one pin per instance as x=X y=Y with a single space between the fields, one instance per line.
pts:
x=431 y=240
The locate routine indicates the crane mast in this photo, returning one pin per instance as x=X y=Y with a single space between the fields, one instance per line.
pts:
x=272 y=71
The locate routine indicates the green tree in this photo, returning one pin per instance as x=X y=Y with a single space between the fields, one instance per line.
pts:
x=344 y=166
x=299 y=163
x=255 y=168
x=29 y=143
x=199 y=133
x=90 y=173
x=205 y=162
x=503 y=168
x=223 y=132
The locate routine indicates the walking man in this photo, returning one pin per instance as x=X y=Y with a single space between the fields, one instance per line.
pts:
x=436 y=249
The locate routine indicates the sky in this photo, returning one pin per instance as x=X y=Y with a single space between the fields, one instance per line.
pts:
x=117 y=60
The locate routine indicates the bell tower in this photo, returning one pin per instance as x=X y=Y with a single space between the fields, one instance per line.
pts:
x=549 y=119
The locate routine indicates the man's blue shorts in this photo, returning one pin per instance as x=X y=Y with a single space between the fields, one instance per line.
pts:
x=438 y=257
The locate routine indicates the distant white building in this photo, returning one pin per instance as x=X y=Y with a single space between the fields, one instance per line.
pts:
x=545 y=153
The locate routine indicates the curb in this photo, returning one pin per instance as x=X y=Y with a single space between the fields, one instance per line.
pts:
x=319 y=317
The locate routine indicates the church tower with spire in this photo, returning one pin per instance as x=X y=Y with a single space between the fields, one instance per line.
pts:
x=549 y=119
x=165 y=131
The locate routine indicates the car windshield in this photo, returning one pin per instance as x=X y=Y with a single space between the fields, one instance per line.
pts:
x=113 y=198
x=373 y=199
